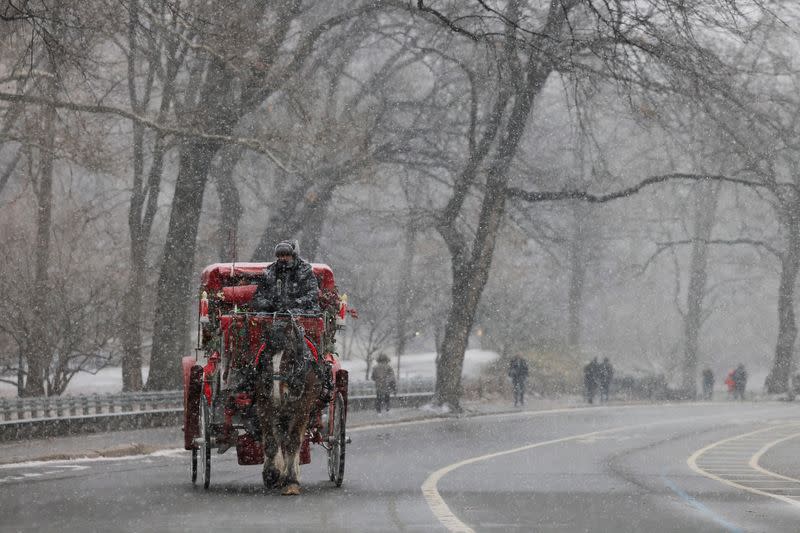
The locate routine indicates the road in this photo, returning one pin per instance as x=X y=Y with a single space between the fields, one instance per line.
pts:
x=683 y=467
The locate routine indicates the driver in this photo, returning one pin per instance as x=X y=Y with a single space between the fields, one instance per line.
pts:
x=288 y=284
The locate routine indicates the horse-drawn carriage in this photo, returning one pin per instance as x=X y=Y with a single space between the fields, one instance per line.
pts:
x=267 y=384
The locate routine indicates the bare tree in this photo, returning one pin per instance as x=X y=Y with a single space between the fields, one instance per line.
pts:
x=547 y=43
x=223 y=87
x=153 y=45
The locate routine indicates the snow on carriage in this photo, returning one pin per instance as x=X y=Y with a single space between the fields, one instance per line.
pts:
x=235 y=357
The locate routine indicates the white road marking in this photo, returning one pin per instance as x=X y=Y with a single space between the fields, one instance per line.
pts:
x=487 y=415
x=731 y=473
x=452 y=523
x=437 y=504
x=753 y=463
x=29 y=475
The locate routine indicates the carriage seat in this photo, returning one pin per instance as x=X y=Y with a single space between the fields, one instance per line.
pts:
x=239 y=294
x=243 y=295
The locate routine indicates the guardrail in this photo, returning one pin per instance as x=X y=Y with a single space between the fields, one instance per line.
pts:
x=55 y=407
x=26 y=418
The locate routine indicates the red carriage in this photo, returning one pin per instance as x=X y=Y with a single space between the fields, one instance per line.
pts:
x=227 y=399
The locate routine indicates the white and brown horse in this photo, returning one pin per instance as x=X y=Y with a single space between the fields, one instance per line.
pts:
x=287 y=388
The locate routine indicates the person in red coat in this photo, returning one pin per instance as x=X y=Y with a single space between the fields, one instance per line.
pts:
x=730 y=384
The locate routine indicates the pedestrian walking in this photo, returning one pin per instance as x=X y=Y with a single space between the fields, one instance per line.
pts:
x=518 y=372
x=590 y=372
x=383 y=376
x=739 y=382
x=605 y=373
x=708 y=383
x=729 y=384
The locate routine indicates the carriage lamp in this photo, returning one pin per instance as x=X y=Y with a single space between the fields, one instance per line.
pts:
x=204 y=308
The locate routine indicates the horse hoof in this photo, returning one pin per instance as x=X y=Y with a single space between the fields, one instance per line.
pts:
x=271 y=478
x=293 y=489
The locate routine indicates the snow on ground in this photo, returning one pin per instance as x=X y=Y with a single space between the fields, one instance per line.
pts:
x=423 y=365
x=420 y=365
x=107 y=381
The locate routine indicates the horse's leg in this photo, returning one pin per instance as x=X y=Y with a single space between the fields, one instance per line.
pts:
x=296 y=433
x=291 y=451
x=266 y=416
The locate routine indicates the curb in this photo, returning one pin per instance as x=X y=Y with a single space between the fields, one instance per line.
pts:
x=135 y=449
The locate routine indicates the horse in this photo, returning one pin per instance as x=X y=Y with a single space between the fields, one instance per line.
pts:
x=287 y=387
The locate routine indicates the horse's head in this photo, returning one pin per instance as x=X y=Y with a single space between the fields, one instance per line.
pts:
x=281 y=335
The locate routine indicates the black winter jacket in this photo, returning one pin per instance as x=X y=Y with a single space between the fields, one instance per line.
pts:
x=283 y=288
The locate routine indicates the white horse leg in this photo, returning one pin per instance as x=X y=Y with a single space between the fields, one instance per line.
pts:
x=277 y=397
x=292 y=474
x=269 y=439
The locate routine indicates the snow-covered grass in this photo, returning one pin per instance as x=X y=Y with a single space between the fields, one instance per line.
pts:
x=420 y=365
x=423 y=365
x=105 y=381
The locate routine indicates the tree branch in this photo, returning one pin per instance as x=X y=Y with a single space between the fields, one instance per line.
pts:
x=447 y=22
x=731 y=242
x=553 y=196
x=664 y=246
x=250 y=143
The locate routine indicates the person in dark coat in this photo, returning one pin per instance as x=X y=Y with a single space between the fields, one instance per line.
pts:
x=518 y=372
x=708 y=383
x=605 y=373
x=590 y=374
x=739 y=382
x=385 y=385
x=288 y=284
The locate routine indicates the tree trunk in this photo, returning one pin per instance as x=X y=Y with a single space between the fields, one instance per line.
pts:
x=214 y=112
x=230 y=205
x=38 y=355
x=577 y=279
x=468 y=283
x=705 y=209
x=9 y=170
x=404 y=292
x=301 y=215
x=313 y=218
x=174 y=289
x=131 y=323
x=281 y=222
x=470 y=276
x=132 y=307
x=778 y=378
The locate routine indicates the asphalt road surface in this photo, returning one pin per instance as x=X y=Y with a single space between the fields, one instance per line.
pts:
x=687 y=467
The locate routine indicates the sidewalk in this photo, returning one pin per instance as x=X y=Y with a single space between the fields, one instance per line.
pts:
x=144 y=441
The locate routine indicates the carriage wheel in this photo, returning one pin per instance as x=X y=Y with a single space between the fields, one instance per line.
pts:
x=194 y=466
x=203 y=451
x=338 y=442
